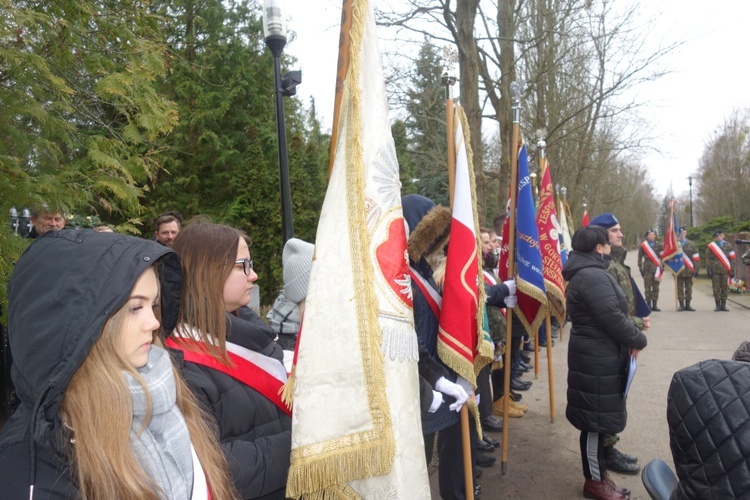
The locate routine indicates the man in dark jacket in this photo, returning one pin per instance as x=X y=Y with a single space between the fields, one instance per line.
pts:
x=602 y=341
x=708 y=410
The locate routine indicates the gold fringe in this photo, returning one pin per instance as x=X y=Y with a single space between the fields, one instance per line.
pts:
x=532 y=291
x=456 y=362
x=287 y=390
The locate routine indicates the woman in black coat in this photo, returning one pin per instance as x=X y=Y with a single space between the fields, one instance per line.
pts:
x=601 y=343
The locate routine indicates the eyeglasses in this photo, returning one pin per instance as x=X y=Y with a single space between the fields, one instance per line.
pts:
x=247 y=265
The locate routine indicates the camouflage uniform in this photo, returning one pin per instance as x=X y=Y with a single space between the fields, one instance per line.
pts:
x=719 y=274
x=648 y=270
x=621 y=272
x=685 y=278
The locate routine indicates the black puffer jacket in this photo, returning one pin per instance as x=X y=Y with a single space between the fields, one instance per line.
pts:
x=708 y=411
x=598 y=350
x=63 y=289
x=254 y=433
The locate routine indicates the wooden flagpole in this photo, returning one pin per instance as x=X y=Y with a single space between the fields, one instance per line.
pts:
x=548 y=320
x=448 y=81
x=515 y=89
x=341 y=69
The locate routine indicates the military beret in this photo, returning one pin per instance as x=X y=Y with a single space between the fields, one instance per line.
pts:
x=605 y=220
x=718 y=232
x=649 y=231
x=683 y=228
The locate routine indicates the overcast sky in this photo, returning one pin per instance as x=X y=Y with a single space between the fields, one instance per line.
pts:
x=710 y=75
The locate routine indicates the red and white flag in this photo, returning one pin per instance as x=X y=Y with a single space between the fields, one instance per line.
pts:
x=462 y=343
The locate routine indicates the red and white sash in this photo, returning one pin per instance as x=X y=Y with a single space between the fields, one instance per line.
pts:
x=489 y=278
x=265 y=375
x=719 y=254
x=433 y=297
x=651 y=254
x=688 y=263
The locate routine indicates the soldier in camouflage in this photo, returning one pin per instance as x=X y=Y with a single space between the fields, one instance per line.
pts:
x=687 y=276
x=648 y=269
x=615 y=459
x=720 y=265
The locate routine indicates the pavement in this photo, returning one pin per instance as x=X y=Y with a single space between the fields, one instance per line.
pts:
x=543 y=454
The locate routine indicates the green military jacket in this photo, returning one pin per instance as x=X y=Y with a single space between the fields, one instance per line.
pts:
x=645 y=265
x=621 y=272
x=691 y=252
x=714 y=265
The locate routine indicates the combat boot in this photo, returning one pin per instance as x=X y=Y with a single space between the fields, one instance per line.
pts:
x=718 y=306
x=682 y=306
x=687 y=306
x=655 y=309
x=724 y=305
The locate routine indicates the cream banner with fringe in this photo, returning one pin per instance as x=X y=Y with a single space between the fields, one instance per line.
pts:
x=356 y=428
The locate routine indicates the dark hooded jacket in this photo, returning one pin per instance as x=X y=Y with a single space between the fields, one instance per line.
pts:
x=598 y=350
x=64 y=288
x=708 y=412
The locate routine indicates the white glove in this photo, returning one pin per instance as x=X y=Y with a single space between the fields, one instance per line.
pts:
x=437 y=401
x=511 y=301
x=511 y=284
x=449 y=388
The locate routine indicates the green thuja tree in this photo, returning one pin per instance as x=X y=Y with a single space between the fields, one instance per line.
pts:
x=80 y=115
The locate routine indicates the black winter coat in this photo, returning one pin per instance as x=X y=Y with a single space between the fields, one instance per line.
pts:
x=708 y=411
x=64 y=288
x=254 y=433
x=599 y=346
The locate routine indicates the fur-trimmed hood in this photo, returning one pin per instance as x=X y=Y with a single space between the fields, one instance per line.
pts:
x=428 y=224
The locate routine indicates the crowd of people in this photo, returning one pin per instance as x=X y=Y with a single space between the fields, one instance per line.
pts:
x=141 y=372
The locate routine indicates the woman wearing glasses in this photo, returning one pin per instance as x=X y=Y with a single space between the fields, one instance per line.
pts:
x=230 y=357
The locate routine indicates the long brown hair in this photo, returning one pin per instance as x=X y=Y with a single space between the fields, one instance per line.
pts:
x=97 y=411
x=207 y=252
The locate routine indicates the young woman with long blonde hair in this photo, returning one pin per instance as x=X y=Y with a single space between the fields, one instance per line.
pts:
x=104 y=413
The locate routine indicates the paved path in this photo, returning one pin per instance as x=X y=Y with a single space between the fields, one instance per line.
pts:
x=544 y=458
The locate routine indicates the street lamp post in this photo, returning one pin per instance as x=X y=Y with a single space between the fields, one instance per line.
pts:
x=690 y=183
x=274 y=30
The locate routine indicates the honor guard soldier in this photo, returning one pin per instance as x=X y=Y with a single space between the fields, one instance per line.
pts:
x=649 y=263
x=719 y=263
x=691 y=259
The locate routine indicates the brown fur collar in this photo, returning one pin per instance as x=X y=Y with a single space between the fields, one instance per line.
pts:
x=431 y=233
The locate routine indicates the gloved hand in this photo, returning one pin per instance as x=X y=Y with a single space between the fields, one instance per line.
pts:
x=511 y=284
x=437 y=401
x=511 y=301
x=454 y=390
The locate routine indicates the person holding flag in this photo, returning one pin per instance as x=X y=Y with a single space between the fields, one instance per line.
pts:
x=429 y=229
x=649 y=264
x=691 y=258
x=719 y=259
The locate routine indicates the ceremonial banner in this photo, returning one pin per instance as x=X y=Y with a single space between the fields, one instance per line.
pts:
x=356 y=427
x=463 y=345
x=531 y=292
x=672 y=255
x=547 y=224
x=565 y=238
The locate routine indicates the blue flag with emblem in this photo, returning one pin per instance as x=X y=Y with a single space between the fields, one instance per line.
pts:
x=672 y=254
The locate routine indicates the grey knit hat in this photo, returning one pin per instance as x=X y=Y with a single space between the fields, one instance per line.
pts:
x=296 y=261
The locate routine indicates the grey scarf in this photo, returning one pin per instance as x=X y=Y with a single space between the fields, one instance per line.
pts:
x=163 y=448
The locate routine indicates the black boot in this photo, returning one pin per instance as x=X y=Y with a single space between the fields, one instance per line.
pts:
x=655 y=309
x=724 y=305
x=718 y=305
x=687 y=306
x=682 y=306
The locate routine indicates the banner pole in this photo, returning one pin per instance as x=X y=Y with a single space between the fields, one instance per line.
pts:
x=341 y=69
x=515 y=89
